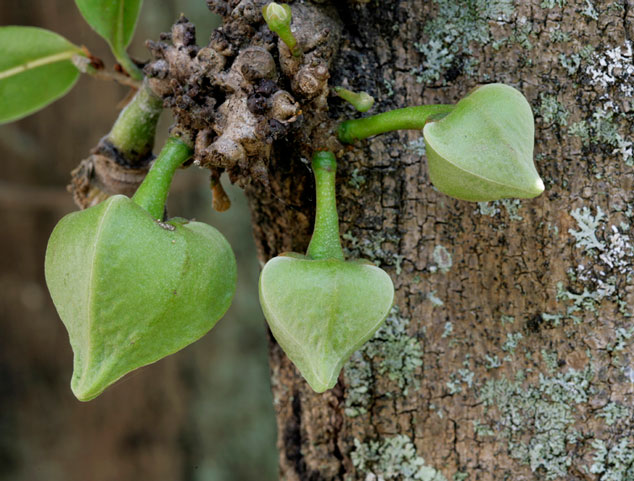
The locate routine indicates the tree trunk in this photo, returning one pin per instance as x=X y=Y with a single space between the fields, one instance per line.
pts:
x=508 y=353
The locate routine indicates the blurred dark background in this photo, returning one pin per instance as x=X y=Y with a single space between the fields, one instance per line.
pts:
x=203 y=414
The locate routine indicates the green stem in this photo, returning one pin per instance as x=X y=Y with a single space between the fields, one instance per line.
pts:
x=325 y=243
x=133 y=132
x=289 y=39
x=128 y=65
x=361 y=101
x=152 y=193
x=408 y=118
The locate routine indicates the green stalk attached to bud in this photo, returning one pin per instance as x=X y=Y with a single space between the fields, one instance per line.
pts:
x=278 y=18
x=130 y=288
x=408 y=118
x=320 y=307
x=152 y=193
x=481 y=149
x=325 y=242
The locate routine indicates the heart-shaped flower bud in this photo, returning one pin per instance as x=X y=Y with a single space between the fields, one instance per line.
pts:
x=131 y=289
x=478 y=150
x=321 y=308
x=483 y=149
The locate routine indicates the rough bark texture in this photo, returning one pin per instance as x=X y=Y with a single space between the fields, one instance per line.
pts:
x=508 y=355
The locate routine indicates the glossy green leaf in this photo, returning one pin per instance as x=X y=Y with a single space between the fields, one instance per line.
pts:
x=322 y=310
x=131 y=290
x=483 y=149
x=114 y=20
x=36 y=68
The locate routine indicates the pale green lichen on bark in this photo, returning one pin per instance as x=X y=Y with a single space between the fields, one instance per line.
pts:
x=370 y=247
x=521 y=34
x=480 y=429
x=557 y=36
x=448 y=329
x=590 y=10
x=614 y=463
x=602 y=128
x=492 y=362
x=551 y=110
x=391 y=352
x=553 y=3
x=572 y=63
x=512 y=341
x=609 y=262
x=550 y=360
x=586 y=237
x=417 y=146
x=450 y=35
x=442 y=259
x=611 y=72
x=356 y=179
x=458 y=378
x=393 y=458
x=611 y=255
x=434 y=299
x=493 y=208
x=538 y=419
x=613 y=412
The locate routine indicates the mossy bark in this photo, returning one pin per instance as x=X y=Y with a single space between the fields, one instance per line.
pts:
x=509 y=356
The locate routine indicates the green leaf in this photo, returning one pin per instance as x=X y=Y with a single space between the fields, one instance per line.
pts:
x=114 y=20
x=36 y=68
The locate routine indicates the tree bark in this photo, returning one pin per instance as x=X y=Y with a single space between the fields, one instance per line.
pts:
x=508 y=354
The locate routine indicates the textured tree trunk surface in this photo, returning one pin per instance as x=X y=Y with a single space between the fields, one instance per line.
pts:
x=509 y=352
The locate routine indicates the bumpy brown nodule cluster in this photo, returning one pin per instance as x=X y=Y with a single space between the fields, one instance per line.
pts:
x=245 y=89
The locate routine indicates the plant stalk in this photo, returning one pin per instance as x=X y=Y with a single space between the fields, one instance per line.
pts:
x=128 y=65
x=133 y=132
x=408 y=118
x=325 y=242
x=152 y=193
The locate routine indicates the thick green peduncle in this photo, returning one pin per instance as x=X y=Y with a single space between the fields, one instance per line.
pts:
x=152 y=193
x=133 y=132
x=325 y=243
x=278 y=18
x=408 y=118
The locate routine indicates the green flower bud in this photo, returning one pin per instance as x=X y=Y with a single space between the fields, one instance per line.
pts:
x=278 y=18
x=321 y=308
x=131 y=289
x=483 y=149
